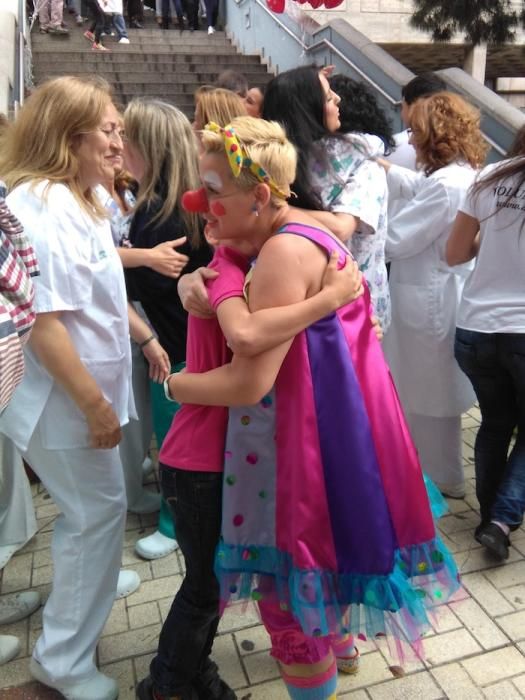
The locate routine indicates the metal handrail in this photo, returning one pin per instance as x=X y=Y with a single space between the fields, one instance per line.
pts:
x=328 y=44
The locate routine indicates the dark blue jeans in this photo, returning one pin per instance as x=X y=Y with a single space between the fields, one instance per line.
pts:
x=186 y=638
x=495 y=364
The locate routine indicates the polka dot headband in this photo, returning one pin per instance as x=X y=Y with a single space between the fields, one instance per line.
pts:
x=238 y=158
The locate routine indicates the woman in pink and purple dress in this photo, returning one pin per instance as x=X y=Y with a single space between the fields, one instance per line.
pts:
x=326 y=521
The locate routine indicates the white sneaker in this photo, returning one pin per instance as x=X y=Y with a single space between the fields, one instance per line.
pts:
x=128 y=582
x=9 y=648
x=155 y=546
x=98 y=687
x=211 y=30
x=148 y=502
x=124 y=40
x=17 y=606
x=147 y=467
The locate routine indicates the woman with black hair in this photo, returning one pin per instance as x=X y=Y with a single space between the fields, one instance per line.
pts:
x=490 y=338
x=337 y=178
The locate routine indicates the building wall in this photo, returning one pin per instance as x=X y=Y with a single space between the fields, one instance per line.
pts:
x=381 y=20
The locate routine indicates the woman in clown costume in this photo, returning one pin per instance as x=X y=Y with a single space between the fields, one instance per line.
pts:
x=326 y=520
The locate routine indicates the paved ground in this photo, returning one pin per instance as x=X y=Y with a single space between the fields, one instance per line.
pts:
x=476 y=651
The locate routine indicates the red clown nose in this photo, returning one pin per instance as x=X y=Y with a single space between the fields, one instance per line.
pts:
x=195 y=201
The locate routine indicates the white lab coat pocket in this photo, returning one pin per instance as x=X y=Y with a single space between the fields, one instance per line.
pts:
x=409 y=306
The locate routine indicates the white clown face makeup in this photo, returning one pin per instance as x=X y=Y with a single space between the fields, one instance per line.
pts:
x=230 y=208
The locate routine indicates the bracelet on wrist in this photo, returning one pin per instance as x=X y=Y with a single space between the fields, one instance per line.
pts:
x=145 y=342
x=167 y=388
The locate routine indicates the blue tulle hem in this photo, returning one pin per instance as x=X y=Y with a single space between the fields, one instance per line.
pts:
x=438 y=504
x=323 y=602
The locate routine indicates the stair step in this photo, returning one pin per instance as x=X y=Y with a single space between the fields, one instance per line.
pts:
x=95 y=61
x=157 y=35
x=135 y=78
x=164 y=64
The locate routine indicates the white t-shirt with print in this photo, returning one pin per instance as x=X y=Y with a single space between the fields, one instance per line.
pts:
x=494 y=295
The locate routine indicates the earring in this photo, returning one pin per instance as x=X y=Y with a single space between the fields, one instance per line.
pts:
x=255 y=210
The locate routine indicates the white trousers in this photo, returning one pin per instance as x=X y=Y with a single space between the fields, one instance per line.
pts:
x=438 y=442
x=88 y=487
x=137 y=434
x=17 y=515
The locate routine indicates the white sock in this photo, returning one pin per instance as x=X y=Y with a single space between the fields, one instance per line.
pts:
x=504 y=527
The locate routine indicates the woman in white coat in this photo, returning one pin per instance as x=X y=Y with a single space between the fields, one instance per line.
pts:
x=67 y=413
x=424 y=290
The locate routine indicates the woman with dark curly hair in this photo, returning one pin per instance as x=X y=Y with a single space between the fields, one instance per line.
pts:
x=425 y=291
x=359 y=111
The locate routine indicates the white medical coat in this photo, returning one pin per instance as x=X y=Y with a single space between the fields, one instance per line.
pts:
x=82 y=277
x=425 y=291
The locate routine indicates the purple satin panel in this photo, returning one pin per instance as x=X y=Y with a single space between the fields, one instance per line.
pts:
x=356 y=500
x=401 y=473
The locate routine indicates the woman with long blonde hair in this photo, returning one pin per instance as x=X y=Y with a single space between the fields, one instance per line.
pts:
x=425 y=291
x=161 y=154
x=66 y=415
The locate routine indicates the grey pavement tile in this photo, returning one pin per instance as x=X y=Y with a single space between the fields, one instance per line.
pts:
x=141 y=666
x=156 y=589
x=272 y=690
x=225 y=655
x=412 y=687
x=519 y=682
x=480 y=560
x=506 y=575
x=134 y=642
x=450 y=646
x=166 y=566
x=41 y=541
x=502 y=691
x=373 y=669
x=144 y=614
x=513 y=625
x=252 y=640
x=118 y=619
x=123 y=673
x=488 y=596
x=15 y=673
x=456 y=683
x=495 y=666
x=16 y=576
x=443 y=619
x=479 y=624
x=238 y=617
x=260 y=667
x=515 y=596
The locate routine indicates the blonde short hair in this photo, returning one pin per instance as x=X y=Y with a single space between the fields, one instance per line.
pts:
x=446 y=129
x=165 y=140
x=217 y=105
x=40 y=143
x=266 y=145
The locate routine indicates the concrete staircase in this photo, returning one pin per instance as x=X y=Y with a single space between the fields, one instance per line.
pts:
x=166 y=64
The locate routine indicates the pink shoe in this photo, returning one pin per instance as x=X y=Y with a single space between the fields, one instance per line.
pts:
x=99 y=47
x=89 y=36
